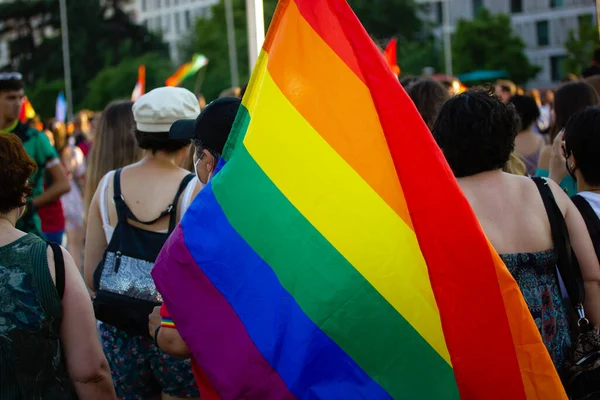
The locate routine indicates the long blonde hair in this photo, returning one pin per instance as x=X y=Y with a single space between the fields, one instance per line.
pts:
x=114 y=146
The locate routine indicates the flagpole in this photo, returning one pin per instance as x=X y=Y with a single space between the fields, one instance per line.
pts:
x=447 y=38
x=64 y=27
x=256 y=29
x=233 y=62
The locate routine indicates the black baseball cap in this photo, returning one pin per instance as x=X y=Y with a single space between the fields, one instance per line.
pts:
x=212 y=126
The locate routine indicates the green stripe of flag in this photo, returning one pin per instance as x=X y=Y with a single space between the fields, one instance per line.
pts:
x=327 y=287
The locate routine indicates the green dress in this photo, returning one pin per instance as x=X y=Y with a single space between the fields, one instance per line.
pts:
x=40 y=150
x=31 y=360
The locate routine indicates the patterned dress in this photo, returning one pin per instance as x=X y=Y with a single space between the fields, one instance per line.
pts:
x=537 y=278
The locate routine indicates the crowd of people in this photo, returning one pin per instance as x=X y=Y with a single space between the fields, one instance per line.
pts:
x=112 y=187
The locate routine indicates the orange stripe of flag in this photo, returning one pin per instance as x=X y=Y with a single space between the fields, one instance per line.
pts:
x=531 y=352
x=311 y=89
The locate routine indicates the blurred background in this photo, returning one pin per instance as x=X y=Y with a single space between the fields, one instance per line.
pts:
x=534 y=43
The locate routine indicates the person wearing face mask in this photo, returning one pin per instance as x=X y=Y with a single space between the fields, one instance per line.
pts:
x=582 y=161
x=48 y=342
x=209 y=134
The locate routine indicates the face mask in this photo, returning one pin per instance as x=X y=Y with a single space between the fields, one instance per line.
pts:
x=196 y=169
x=210 y=174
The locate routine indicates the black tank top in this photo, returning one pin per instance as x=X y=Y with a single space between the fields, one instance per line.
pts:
x=31 y=357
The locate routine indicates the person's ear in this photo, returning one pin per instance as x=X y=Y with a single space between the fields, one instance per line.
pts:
x=210 y=161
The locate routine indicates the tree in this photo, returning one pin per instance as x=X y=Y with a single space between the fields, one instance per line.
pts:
x=382 y=19
x=580 y=46
x=100 y=33
x=117 y=82
x=488 y=42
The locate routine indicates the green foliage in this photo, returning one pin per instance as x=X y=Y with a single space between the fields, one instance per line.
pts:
x=381 y=18
x=488 y=43
x=387 y=18
x=580 y=46
x=118 y=82
x=413 y=56
x=100 y=35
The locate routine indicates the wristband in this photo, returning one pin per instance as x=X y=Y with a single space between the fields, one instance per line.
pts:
x=156 y=336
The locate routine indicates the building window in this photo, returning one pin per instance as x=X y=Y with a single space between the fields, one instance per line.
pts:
x=177 y=17
x=557 y=67
x=556 y=3
x=158 y=4
x=188 y=19
x=144 y=5
x=516 y=6
x=543 y=34
x=586 y=20
x=477 y=5
x=439 y=12
x=167 y=23
x=167 y=3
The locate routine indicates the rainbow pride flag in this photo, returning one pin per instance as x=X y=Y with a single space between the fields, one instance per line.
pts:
x=186 y=70
x=334 y=256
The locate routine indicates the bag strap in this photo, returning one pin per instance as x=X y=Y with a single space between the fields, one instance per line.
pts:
x=59 y=266
x=118 y=198
x=591 y=220
x=568 y=267
x=173 y=221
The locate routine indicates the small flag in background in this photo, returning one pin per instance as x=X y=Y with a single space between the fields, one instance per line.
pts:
x=373 y=280
x=391 y=56
x=140 y=86
x=188 y=69
x=61 y=108
x=27 y=111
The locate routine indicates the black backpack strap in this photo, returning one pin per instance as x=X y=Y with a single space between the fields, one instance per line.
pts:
x=59 y=266
x=124 y=212
x=182 y=186
x=591 y=220
x=568 y=266
x=120 y=205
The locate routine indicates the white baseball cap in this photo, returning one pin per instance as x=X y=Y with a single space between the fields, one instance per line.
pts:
x=158 y=109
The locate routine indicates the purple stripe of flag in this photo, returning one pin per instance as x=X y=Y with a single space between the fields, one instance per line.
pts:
x=237 y=368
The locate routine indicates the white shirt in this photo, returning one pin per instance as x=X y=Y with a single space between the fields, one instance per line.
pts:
x=593 y=199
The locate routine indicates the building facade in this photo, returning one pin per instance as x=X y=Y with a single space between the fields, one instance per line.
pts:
x=172 y=19
x=544 y=26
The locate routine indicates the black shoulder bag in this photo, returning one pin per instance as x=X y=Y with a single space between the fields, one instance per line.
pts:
x=581 y=375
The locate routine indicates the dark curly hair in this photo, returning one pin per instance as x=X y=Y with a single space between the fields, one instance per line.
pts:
x=159 y=141
x=527 y=109
x=476 y=132
x=582 y=139
x=15 y=170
